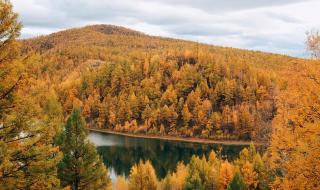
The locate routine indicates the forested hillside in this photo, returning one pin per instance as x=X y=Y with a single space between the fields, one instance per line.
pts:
x=124 y=80
x=127 y=81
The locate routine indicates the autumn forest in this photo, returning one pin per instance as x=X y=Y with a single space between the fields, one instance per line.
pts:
x=55 y=88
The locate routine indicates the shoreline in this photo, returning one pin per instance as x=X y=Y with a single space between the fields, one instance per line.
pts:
x=179 y=139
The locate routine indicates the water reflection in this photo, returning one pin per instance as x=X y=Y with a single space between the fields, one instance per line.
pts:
x=120 y=152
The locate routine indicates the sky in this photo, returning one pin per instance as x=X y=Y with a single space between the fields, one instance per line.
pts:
x=277 y=26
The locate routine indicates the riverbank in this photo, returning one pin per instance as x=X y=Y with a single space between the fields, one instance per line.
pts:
x=170 y=138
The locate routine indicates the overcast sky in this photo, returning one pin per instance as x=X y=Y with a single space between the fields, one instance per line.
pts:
x=269 y=25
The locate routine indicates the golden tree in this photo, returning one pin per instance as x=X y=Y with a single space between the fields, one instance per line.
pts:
x=226 y=175
x=295 y=141
x=250 y=177
x=121 y=184
x=27 y=156
x=143 y=177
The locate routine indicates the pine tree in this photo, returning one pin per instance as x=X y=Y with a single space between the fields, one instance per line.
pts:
x=237 y=182
x=81 y=166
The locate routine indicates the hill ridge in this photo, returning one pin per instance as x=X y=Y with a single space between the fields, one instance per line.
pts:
x=98 y=33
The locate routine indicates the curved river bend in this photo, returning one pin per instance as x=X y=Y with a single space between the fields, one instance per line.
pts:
x=120 y=153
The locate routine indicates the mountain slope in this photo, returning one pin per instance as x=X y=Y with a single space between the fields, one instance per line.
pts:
x=127 y=81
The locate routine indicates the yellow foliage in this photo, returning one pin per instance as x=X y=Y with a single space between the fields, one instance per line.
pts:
x=143 y=177
x=121 y=184
x=226 y=174
x=250 y=177
x=295 y=146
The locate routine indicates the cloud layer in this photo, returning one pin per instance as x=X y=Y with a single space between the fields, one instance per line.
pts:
x=269 y=25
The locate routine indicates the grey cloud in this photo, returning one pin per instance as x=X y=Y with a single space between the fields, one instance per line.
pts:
x=202 y=30
x=241 y=23
x=284 y=18
x=218 y=6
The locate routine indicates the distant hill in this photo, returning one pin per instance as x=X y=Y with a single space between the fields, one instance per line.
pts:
x=113 y=30
x=88 y=34
x=104 y=36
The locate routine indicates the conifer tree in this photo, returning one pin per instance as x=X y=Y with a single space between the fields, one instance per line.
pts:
x=226 y=174
x=198 y=174
x=81 y=167
x=194 y=181
x=237 y=182
x=250 y=177
x=27 y=157
x=143 y=177
x=121 y=184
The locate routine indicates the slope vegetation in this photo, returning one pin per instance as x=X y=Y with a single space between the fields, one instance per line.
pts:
x=127 y=81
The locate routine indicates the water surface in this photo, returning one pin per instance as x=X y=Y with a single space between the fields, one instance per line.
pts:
x=119 y=152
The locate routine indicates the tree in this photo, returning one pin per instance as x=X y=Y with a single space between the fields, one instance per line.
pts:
x=226 y=119
x=117 y=81
x=237 y=182
x=245 y=123
x=215 y=121
x=169 y=97
x=121 y=184
x=9 y=77
x=176 y=181
x=260 y=167
x=226 y=174
x=27 y=156
x=250 y=177
x=143 y=177
x=133 y=106
x=53 y=112
x=213 y=177
x=81 y=166
x=194 y=181
x=186 y=114
x=313 y=43
x=295 y=158
x=198 y=177
x=168 y=115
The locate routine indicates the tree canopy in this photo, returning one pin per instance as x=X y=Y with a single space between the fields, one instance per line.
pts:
x=81 y=167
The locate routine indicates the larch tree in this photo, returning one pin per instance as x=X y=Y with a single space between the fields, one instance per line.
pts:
x=81 y=167
x=295 y=158
x=250 y=177
x=121 y=184
x=237 y=182
x=198 y=174
x=28 y=158
x=143 y=177
x=175 y=180
x=226 y=174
